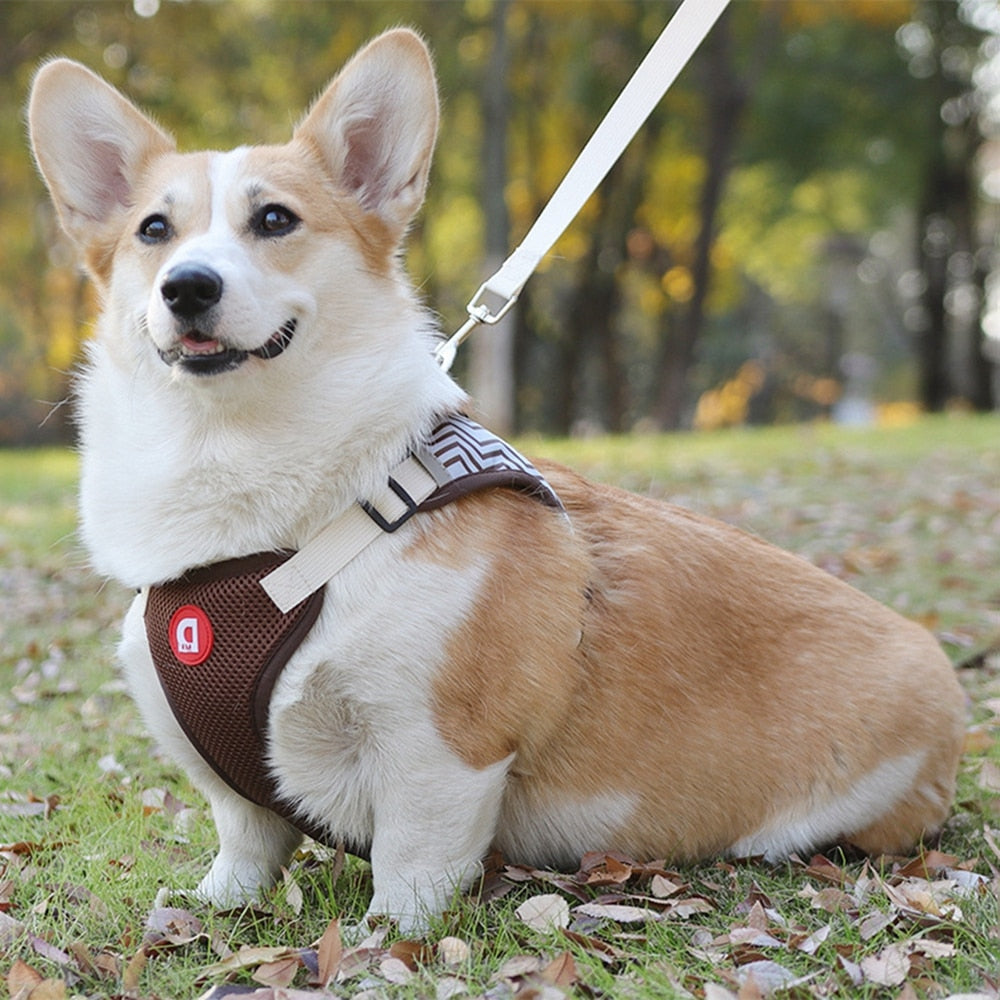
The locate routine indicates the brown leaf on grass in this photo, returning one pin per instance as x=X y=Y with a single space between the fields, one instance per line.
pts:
x=329 y=951
x=684 y=908
x=927 y=864
x=49 y=951
x=133 y=971
x=823 y=869
x=874 y=924
x=832 y=901
x=226 y=991
x=247 y=958
x=107 y=965
x=809 y=945
x=22 y=976
x=28 y=848
x=413 y=954
x=561 y=971
x=662 y=887
x=28 y=805
x=167 y=925
x=600 y=869
x=280 y=974
x=607 y=953
x=518 y=966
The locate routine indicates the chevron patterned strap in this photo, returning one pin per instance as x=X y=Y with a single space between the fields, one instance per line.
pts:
x=469 y=458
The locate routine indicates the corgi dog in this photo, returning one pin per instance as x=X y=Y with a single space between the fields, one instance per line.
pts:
x=601 y=672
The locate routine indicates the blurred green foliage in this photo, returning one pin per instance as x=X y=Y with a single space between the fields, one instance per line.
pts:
x=813 y=244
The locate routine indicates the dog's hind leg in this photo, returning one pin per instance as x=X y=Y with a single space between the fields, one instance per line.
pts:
x=253 y=845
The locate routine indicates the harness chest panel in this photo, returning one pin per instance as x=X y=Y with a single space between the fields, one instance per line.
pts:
x=219 y=643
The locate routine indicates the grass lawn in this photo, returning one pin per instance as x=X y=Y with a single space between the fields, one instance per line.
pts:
x=94 y=823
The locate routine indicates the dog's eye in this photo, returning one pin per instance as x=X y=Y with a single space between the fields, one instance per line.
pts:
x=155 y=229
x=274 y=220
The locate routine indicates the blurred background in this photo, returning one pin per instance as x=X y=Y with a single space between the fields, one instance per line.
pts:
x=806 y=228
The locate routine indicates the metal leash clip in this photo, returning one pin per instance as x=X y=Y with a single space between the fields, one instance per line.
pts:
x=479 y=312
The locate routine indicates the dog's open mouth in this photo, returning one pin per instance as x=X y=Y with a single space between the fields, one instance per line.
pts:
x=202 y=355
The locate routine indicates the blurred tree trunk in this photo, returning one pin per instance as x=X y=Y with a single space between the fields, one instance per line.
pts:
x=596 y=297
x=949 y=253
x=726 y=97
x=983 y=358
x=491 y=359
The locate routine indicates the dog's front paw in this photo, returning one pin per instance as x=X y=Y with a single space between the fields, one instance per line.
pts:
x=229 y=886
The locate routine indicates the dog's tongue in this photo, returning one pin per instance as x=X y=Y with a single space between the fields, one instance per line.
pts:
x=197 y=343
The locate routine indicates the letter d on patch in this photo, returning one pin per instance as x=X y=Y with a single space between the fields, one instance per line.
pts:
x=191 y=635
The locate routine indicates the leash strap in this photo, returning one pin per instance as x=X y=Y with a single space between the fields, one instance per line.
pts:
x=410 y=483
x=668 y=56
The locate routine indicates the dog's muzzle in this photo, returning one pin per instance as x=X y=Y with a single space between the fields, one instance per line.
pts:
x=190 y=292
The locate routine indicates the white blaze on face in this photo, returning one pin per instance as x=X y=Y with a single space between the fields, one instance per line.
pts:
x=257 y=299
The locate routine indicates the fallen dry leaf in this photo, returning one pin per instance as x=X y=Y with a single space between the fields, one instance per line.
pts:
x=133 y=971
x=662 y=887
x=989 y=776
x=280 y=974
x=809 y=945
x=545 y=912
x=684 y=908
x=412 y=954
x=832 y=900
x=889 y=967
x=517 y=966
x=763 y=977
x=927 y=864
x=21 y=976
x=172 y=926
x=293 y=892
x=329 y=951
x=395 y=971
x=603 y=870
x=448 y=987
x=561 y=971
x=247 y=958
x=11 y=930
x=618 y=912
x=452 y=951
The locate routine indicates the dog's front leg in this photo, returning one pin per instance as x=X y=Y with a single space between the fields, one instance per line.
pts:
x=433 y=827
x=253 y=845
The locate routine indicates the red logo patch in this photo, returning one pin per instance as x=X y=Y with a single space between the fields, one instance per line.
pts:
x=191 y=635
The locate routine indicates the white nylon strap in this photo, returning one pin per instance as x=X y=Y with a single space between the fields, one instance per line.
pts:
x=668 y=56
x=345 y=537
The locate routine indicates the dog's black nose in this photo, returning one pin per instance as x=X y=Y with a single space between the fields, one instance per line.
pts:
x=191 y=289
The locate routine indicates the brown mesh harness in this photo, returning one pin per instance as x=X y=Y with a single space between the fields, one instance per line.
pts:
x=219 y=644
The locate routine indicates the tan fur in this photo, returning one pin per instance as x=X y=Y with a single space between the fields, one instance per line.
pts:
x=717 y=677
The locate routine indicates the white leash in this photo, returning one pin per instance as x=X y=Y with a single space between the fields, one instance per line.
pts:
x=668 y=56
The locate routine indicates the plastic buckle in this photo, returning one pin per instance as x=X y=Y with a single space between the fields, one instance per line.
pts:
x=482 y=313
x=390 y=526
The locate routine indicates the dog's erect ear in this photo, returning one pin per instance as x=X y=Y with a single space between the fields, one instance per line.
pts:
x=91 y=145
x=376 y=123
